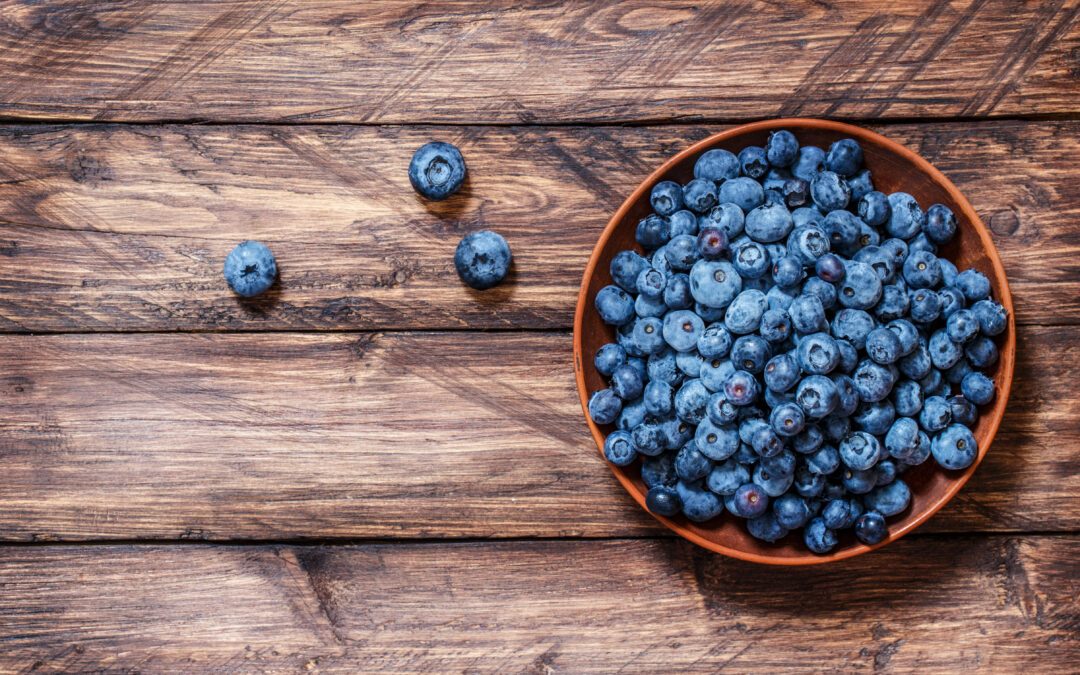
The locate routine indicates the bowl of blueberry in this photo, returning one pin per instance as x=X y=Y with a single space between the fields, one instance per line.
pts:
x=794 y=342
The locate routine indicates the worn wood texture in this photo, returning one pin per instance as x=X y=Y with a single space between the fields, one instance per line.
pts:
x=290 y=436
x=114 y=228
x=990 y=604
x=399 y=62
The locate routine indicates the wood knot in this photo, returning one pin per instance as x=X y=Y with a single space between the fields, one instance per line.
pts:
x=1004 y=222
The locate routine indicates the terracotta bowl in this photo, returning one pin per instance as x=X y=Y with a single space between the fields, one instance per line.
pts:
x=894 y=168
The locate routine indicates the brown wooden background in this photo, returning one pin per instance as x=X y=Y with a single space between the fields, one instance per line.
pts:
x=374 y=468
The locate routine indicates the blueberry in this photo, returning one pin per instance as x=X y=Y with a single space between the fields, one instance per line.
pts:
x=720 y=410
x=921 y=242
x=663 y=501
x=873 y=381
x=852 y=325
x=676 y=433
x=817 y=396
x=653 y=231
x=875 y=418
x=843 y=229
x=807 y=314
x=830 y=268
x=749 y=501
x=708 y=314
x=921 y=270
x=907 y=398
x=956 y=373
x=787 y=419
x=625 y=268
x=614 y=306
x=882 y=262
x=849 y=356
x=690 y=401
x=860 y=450
x=806 y=216
x=859 y=482
x=744 y=192
x=779 y=298
x=882 y=346
x=691 y=465
x=250 y=269
x=608 y=358
x=727 y=217
x=437 y=171
x=648 y=335
x=808 y=243
x=716 y=442
x=633 y=413
x=677 y=292
x=925 y=306
x=829 y=191
x=973 y=284
x=659 y=470
x=906 y=219
x=796 y=192
x=773 y=484
x=818 y=537
x=769 y=222
x=714 y=283
x=940 y=224
x=809 y=161
x=993 y=319
x=604 y=406
x=651 y=283
x=962 y=326
x=808 y=440
x=699 y=195
x=745 y=311
x=666 y=197
x=874 y=208
x=977 y=388
x=887 y=471
x=683 y=221
x=954 y=447
x=699 y=505
x=847 y=396
x=897 y=249
x=943 y=351
x=838 y=514
x=681 y=252
x=658 y=398
x=894 y=303
x=750 y=352
x=662 y=367
x=951 y=299
x=711 y=243
x=626 y=382
x=861 y=288
x=948 y=272
x=715 y=373
x=645 y=306
x=741 y=388
x=981 y=352
x=845 y=157
x=906 y=333
x=753 y=161
x=619 y=448
x=751 y=261
x=861 y=184
x=888 y=500
x=818 y=354
x=717 y=165
x=931 y=384
x=714 y=341
x=963 y=411
x=936 y=414
x=790 y=511
x=781 y=373
x=726 y=478
x=870 y=528
x=781 y=148
x=808 y=484
x=775 y=325
x=682 y=328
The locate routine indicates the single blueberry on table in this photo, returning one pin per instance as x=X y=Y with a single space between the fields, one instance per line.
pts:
x=619 y=448
x=250 y=269
x=663 y=501
x=717 y=165
x=954 y=447
x=871 y=529
x=482 y=259
x=666 y=197
x=437 y=170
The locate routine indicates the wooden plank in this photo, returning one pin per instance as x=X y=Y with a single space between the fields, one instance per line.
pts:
x=988 y=604
x=293 y=436
x=121 y=228
x=395 y=62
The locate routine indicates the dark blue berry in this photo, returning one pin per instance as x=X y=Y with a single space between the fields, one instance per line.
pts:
x=437 y=170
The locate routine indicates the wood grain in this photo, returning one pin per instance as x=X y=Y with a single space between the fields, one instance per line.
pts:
x=398 y=435
x=399 y=62
x=119 y=228
x=987 y=604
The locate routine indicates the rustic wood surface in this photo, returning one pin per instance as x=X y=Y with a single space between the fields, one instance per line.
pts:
x=924 y=604
x=401 y=62
x=119 y=228
x=297 y=435
x=346 y=446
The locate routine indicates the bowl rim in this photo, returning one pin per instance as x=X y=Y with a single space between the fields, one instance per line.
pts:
x=1005 y=299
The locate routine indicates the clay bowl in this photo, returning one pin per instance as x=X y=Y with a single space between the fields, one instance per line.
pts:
x=894 y=168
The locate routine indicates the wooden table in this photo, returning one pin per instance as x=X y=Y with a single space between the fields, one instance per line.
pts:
x=373 y=468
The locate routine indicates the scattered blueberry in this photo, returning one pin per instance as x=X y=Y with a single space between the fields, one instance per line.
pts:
x=482 y=259
x=250 y=269
x=437 y=170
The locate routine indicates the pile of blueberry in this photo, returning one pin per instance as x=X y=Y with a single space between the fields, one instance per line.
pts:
x=436 y=171
x=790 y=344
